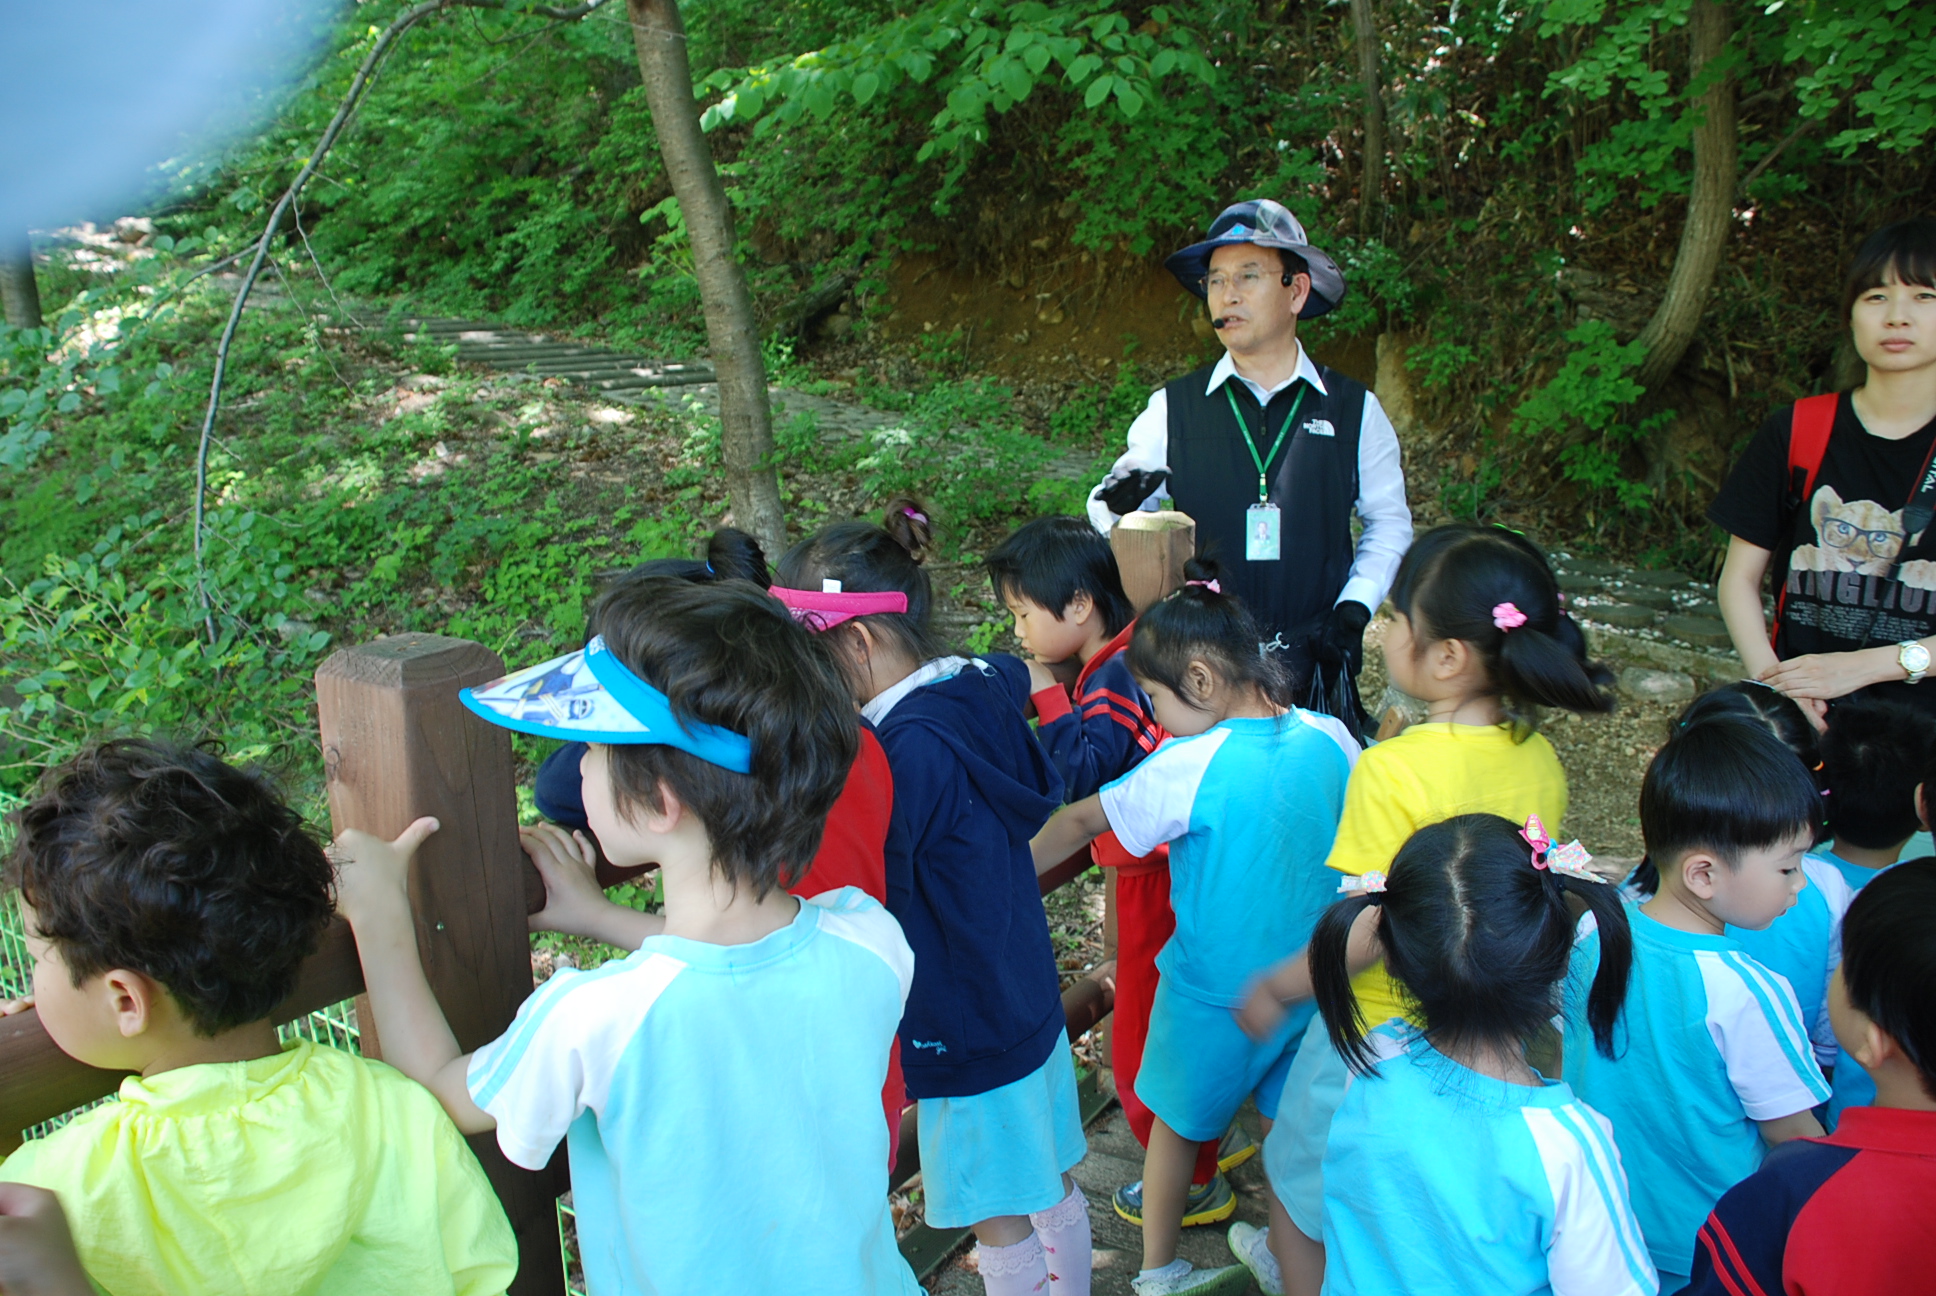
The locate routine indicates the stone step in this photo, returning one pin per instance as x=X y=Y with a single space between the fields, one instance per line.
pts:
x=669 y=379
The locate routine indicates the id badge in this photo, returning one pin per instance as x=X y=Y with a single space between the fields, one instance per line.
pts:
x=1261 y=535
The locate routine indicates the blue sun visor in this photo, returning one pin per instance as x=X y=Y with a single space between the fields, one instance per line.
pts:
x=590 y=696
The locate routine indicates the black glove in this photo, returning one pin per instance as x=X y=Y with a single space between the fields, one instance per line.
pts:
x=1340 y=637
x=1127 y=495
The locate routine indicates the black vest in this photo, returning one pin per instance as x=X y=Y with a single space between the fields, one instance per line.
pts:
x=1313 y=480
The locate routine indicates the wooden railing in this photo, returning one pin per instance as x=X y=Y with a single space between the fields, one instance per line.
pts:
x=397 y=744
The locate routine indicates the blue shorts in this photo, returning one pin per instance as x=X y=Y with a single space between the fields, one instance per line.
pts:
x=1294 y=1151
x=1198 y=1065
x=1003 y=1152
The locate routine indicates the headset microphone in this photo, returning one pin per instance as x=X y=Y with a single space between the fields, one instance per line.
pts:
x=1219 y=322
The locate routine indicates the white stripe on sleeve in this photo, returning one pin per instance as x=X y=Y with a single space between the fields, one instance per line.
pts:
x=1151 y=804
x=1336 y=730
x=556 y=1061
x=1597 y=1249
x=1755 y=1022
x=852 y=915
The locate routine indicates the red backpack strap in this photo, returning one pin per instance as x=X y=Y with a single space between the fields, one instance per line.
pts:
x=1808 y=431
x=1813 y=420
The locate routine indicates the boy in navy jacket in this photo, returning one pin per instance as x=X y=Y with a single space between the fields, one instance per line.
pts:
x=1059 y=580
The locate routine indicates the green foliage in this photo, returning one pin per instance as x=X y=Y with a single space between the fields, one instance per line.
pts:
x=1584 y=406
x=988 y=58
x=961 y=449
x=1878 y=56
x=113 y=642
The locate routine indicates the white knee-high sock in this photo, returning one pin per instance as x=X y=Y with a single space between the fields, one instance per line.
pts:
x=1018 y=1270
x=1064 y=1230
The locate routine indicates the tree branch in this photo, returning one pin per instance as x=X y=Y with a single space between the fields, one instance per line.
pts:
x=402 y=23
x=1754 y=172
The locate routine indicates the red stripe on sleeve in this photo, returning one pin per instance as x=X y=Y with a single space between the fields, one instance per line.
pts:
x=1734 y=1275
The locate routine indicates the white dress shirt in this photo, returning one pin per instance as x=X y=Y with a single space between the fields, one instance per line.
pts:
x=1381 y=506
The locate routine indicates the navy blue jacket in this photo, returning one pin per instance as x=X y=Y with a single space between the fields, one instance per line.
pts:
x=1109 y=728
x=972 y=786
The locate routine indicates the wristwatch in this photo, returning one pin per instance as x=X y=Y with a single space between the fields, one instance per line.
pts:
x=1914 y=660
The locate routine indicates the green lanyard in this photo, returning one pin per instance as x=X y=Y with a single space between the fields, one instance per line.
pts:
x=1263 y=461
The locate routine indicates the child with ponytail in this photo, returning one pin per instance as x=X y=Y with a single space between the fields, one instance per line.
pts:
x=1480 y=636
x=984 y=1045
x=1453 y=1166
x=1247 y=793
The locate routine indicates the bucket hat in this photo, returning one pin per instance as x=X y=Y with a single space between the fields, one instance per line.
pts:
x=1267 y=224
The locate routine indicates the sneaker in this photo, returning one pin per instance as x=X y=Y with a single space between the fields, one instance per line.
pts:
x=1235 y=1148
x=1206 y=1205
x=1251 y=1245
x=1180 y=1277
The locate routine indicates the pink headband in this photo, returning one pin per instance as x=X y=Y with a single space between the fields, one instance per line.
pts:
x=824 y=609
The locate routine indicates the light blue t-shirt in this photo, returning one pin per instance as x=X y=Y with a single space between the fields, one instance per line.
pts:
x=1804 y=945
x=1440 y=1180
x=1709 y=1043
x=722 y=1104
x=1854 y=874
x=1249 y=808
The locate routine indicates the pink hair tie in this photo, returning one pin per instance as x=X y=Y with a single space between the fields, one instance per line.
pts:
x=1506 y=616
x=916 y=514
x=824 y=609
x=1215 y=587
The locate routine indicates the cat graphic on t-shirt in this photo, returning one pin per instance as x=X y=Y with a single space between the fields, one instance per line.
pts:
x=1858 y=536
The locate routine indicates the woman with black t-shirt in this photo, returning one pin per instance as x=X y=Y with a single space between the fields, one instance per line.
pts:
x=1856 y=589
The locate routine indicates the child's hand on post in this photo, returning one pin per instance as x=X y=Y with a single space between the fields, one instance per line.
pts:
x=566 y=862
x=371 y=871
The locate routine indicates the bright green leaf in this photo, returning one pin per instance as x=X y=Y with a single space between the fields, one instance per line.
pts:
x=1098 y=91
x=865 y=86
x=1016 y=81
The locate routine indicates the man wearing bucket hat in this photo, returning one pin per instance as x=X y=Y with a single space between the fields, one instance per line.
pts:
x=1270 y=451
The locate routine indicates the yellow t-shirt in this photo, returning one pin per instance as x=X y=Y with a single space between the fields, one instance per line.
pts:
x=310 y=1172
x=1430 y=773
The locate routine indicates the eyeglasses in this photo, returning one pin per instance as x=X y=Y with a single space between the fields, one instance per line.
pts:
x=1840 y=535
x=1245 y=282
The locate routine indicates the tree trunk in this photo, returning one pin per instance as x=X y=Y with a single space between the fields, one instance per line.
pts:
x=745 y=417
x=1710 y=201
x=18 y=295
x=1371 y=183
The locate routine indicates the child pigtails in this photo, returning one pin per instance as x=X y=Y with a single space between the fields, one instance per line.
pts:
x=731 y=554
x=1602 y=900
x=1548 y=668
x=1201 y=622
x=908 y=522
x=1344 y=1021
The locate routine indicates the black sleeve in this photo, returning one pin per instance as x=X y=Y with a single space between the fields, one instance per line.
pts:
x=1750 y=502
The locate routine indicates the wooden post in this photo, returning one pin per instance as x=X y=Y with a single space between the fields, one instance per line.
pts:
x=398 y=744
x=1151 y=549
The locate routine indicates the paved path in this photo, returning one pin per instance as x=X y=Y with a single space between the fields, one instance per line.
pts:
x=635 y=379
